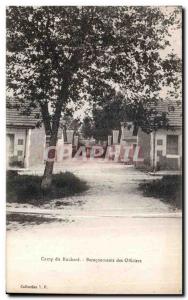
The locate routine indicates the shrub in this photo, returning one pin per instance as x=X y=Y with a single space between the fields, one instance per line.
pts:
x=143 y=167
x=69 y=181
x=23 y=187
x=27 y=188
x=12 y=173
x=168 y=189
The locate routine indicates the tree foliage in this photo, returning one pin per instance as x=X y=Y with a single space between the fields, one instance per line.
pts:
x=59 y=55
x=105 y=118
x=63 y=54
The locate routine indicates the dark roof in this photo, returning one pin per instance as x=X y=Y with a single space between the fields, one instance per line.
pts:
x=16 y=118
x=174 y=112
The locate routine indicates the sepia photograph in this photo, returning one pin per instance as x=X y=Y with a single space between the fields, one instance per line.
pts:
x=94 y=143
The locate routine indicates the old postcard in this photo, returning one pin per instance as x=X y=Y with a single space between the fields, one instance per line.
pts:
x=94 y=150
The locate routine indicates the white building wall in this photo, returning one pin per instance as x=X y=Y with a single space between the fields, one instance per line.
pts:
x=37 y=146
x=161 y=134
x=31 y=152
x=19 y=134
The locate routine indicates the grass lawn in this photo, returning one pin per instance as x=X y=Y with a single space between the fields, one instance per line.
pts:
x=26 y=189
x=168 y=189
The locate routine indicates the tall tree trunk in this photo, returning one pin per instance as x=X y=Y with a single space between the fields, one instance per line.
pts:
x=48 y=171
x=47 y=177
x=135 y=130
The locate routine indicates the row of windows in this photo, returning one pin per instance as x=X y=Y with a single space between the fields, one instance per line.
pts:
x=19 y=153
x=171 y=145
x=11 y=138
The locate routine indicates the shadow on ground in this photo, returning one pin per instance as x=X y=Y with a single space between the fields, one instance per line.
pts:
x=16 y=221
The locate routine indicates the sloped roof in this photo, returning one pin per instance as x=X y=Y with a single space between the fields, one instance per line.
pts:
x=174 y=112
x=14 y=118
x=17 y=118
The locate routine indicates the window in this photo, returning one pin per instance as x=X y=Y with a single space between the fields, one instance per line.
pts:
x=172 y=144
x=159 y=153
x=20 y=153
x=20 y=141
x=171 y=108
x=159 y=142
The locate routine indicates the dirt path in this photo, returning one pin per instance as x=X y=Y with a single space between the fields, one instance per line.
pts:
x=113 y=191
x=112 y=220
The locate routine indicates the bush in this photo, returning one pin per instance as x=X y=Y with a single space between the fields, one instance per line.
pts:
x=69 y=183
x=27 y=188
x=168 y=189
x=12 y=173
x=143 y=167
x=14 y=162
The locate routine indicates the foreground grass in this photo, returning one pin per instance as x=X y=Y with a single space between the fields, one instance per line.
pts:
x=26 y=189
x=168 y=189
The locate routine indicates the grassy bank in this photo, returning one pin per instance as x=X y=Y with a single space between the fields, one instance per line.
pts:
x=27 y=188
x=168 y=189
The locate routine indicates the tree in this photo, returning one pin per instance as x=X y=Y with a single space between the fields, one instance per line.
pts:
x=105 y=117
x=87 y=127
x=57 y=55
